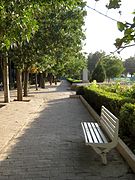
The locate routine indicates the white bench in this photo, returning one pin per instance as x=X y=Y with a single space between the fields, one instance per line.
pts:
x=102 y=136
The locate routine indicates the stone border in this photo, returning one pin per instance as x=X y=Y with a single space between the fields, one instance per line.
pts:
x=123 y=149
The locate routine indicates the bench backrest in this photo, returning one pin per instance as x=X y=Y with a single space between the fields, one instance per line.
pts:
x=109 y=123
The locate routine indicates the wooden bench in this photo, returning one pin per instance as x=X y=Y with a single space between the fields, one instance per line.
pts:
x=102 y=136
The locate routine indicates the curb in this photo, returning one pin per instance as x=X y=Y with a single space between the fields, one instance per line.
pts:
x=123 y=149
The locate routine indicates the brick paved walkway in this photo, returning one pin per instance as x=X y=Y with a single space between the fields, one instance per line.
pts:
x=51 y=146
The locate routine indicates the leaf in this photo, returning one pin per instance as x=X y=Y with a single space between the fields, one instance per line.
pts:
x=118 y=43
x=121 y=26
x=7 y=43
x=114 y=4
x=129 y=31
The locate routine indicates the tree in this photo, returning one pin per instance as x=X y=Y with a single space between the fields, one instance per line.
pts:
x=17 y=24
x=32 y=29
x=59 y=37
x=129 y=65
x=99 y=73
x=74 y=66
x=113 y=66
x=93 y=59
x=62 y=40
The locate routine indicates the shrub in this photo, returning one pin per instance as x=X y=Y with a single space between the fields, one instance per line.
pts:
x=97 y=97
x=99 y=73
x=127 y=119
x=121 y=106
x=80 y=90
x=73 y=80
x=127 y=124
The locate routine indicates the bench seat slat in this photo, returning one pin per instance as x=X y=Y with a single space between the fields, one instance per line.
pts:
x=92 y=130
x=104 y=139
x=93 y=133
x=88 y=137
x=95 y=137
x=97 y=133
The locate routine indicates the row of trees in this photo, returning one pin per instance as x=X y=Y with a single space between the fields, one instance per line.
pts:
x=46 y=35
x=42 y=35
x=102 y=66
x=114 y=66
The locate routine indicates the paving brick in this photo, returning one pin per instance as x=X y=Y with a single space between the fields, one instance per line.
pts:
x=51 y=145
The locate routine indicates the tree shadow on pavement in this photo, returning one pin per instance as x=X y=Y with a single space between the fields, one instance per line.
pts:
x=52 y=147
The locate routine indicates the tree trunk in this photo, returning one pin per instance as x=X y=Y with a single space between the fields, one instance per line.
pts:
x=26 y=77
x=36 y=81
x=55 y=81
x=6 y=80
x=50 y=79
x=19 y=85
x=42 y=81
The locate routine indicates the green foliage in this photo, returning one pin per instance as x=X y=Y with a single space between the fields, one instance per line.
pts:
x=74 y=80
x=74 y=65
x=129 y=34
x=99 y=73
x=114 y=4
x=46 y=34
x=121 y=26
x=93 y=59
x=113 y=66
x=127 y=124
x=59 y=38
x=131 y=92
x=94 y=84
x=122 y=90
x=116 y=88
x=127 y=117
x=129 y=65
x=96 y=97
x=120 y=100
x=17 y=21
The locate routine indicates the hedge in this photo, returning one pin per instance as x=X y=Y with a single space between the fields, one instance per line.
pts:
x=122 y=107
x=127 y=119
x=127 y=125
x=70 y=80
x=97 y=97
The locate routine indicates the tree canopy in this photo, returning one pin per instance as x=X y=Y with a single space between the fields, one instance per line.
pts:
x=129 y=65
x=93 y=59
x=99 y=73
x=113 y=66
x=31 y=29
x=41 y=34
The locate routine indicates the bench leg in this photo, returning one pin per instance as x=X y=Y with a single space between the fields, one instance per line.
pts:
x=103 y=157
x=102 y=154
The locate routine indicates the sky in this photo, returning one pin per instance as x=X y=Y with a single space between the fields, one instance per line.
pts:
x=101 y=31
